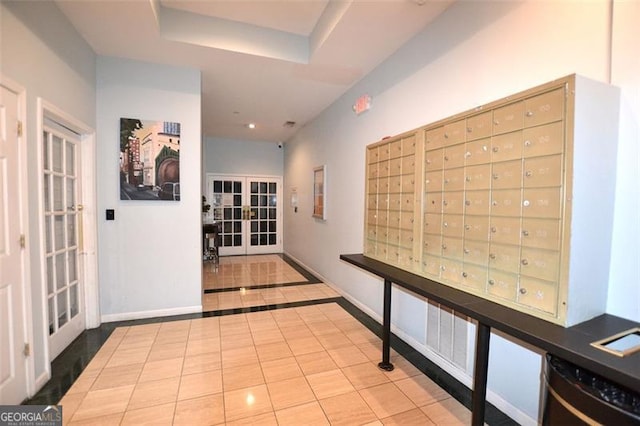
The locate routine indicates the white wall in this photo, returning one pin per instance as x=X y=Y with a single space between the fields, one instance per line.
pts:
x=41 y=51
x=624 y=296
x=150 y=255
x=474 y=53
x=233 y=156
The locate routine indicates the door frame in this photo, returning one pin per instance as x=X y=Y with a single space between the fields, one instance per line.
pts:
x=23 y=202
x=89 y=273
x=279 y=219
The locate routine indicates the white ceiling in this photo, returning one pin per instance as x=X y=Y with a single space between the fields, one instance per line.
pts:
x=262 y=61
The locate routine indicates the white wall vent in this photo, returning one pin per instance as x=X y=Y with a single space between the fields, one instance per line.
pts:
x=447 y=334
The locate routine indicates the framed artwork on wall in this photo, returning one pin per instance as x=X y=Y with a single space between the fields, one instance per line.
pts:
x=319 y=195
x=149 y=160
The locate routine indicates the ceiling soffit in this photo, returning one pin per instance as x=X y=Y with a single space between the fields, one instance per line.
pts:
x=202 y=29
x=262 y=61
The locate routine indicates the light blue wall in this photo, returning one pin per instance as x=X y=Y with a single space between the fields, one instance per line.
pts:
x=233 y=156
x=149 y=257
x=474 y=53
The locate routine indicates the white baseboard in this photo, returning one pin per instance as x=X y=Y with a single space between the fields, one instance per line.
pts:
x=315 y=273
x=516 y=415
x=460 y=375
x=125 y=316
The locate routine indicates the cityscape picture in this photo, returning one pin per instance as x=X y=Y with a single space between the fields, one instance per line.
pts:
x=149 y=160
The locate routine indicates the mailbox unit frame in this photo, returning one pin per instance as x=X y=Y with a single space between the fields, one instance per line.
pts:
x=541 y=161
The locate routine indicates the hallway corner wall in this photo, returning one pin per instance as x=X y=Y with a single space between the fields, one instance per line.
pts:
x=624 y=298
x=150 y=255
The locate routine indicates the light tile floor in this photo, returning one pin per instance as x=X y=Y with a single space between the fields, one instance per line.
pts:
x=311 y=365
x=245 y=271
x=268 y=296
x=238 y=272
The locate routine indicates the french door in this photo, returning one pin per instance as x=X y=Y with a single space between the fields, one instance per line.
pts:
x=63 y=235
x=248 y=209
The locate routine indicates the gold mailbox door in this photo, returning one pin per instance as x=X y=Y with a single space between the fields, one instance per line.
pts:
x=507 y=174
x=508 y=118
x=544 y=108
x=542 y=203
x=541 y=233
x=478 y=152
x=506 y=147
x=479 y=126
x=502 y=284
x=505 y=202
x=504 y=258
x=478 y=177
x=543 y=140
x=538 y=294
x=543 y=171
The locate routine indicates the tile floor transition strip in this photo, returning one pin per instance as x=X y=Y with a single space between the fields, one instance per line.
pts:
x=234 y=311
x=257 y=287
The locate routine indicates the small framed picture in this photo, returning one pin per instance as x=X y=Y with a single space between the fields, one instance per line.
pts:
x=319 y=196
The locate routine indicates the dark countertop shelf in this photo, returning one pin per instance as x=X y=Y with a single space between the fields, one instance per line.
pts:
x=571 y=343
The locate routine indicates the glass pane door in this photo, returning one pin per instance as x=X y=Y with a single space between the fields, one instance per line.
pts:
x=264 y=231
x=61 y=228
x=248 y=210
x=227 y=207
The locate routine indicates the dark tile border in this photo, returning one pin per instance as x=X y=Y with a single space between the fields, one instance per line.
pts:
x=254 y=287
x=269 y=307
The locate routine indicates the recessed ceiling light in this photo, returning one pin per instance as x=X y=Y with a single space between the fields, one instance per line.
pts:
x=251 y=125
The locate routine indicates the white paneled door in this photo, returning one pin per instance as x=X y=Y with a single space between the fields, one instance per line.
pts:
x=13 y=361
x=249 y=211
x=63 y=235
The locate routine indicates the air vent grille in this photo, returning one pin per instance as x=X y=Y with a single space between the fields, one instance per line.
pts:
x=447 y=334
